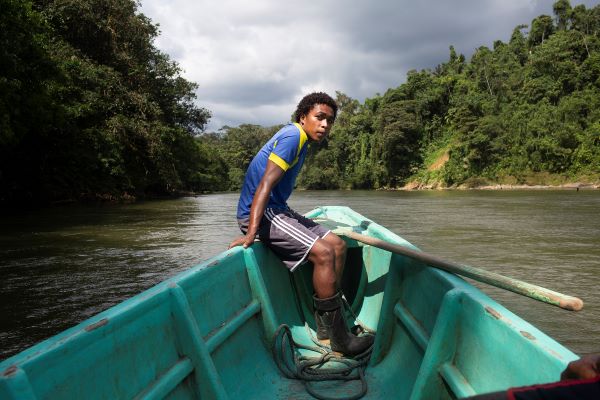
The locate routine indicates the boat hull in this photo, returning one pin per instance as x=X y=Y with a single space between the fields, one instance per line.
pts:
x=207 y=333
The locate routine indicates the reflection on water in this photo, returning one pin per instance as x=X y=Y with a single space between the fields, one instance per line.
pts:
x=60 y=266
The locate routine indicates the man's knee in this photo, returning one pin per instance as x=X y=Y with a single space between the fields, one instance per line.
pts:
x=322 y=253
x=339 y=245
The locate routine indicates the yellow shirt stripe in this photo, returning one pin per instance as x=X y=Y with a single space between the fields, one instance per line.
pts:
x=303 y=139
x=279 y=161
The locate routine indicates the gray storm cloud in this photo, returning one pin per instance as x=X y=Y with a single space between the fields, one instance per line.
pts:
x=253 y=61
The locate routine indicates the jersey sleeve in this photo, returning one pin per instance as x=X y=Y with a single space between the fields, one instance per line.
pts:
x=285 y=149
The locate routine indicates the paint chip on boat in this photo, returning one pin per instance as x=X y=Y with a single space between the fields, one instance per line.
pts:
x=493 y=312
x=528 y=335
x=96 y=325
x=10 y=370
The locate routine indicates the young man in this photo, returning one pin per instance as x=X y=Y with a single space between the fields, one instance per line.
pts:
x=263 y=212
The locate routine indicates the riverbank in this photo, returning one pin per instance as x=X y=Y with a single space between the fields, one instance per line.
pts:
x=532 y=181
x=499 y=186
x=568 y=186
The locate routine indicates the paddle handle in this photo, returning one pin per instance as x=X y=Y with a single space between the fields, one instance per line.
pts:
x=491 y=278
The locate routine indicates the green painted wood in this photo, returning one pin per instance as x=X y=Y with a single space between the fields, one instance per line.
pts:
x=205 y=333
x=456 y=381
x=208 y=382
x=17 y=385
x=387 y=319
x=168 y=381
x=218 y=337
x=259 y=292
x=412 y=325
x=439 y=351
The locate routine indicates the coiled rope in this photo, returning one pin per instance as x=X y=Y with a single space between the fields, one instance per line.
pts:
x=293 y=365
x=309 y=369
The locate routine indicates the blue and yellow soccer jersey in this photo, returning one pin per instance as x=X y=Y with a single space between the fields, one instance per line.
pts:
x=287 y=149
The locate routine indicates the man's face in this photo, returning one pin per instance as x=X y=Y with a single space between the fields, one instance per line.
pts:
x=318 y=122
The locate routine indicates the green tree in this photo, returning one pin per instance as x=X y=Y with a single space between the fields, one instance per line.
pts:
x=399 y=129
x=518 y=44
x=238 y=145
x=107 y=113
x=562 y=10
x=27 y=109
x=541 y=28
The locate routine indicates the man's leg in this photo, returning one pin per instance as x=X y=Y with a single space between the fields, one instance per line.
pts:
x=295 y=238
x=339 y=248
x=329 y=312
x=325 y=278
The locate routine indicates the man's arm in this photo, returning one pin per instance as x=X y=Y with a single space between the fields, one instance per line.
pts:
x=272 y=176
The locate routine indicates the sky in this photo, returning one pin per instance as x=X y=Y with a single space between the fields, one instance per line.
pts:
x=254 y=60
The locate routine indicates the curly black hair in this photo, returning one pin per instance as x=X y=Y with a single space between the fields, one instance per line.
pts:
x=311 y=100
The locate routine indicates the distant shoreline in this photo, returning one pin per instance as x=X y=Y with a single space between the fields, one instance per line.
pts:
x=568 y=186
x=498 y=186
x=412 y=186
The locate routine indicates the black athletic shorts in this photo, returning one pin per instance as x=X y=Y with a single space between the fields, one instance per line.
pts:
x=289 y=234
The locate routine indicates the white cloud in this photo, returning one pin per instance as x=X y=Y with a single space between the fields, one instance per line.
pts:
x=253 y=61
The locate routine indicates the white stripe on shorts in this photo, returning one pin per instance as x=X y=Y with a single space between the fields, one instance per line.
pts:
x=290 y=229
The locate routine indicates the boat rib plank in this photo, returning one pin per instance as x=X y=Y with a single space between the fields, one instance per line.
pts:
x=456 y=381
x=16 y=383
x=208 y=381
x=217 y=338
x=168 y=381
x=259 y=292
x=412 y=326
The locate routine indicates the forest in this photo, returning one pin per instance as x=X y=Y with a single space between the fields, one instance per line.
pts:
x=90 y=109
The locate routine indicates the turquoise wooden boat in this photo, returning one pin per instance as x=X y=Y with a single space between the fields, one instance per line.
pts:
x=207 y=333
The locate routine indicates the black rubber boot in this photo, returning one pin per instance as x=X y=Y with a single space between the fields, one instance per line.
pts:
x=331 y=313
x=322 y=333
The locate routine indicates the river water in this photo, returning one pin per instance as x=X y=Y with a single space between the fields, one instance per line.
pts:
x=62 y=265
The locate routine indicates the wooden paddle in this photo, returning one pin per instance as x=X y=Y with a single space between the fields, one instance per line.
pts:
x=491 y=278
